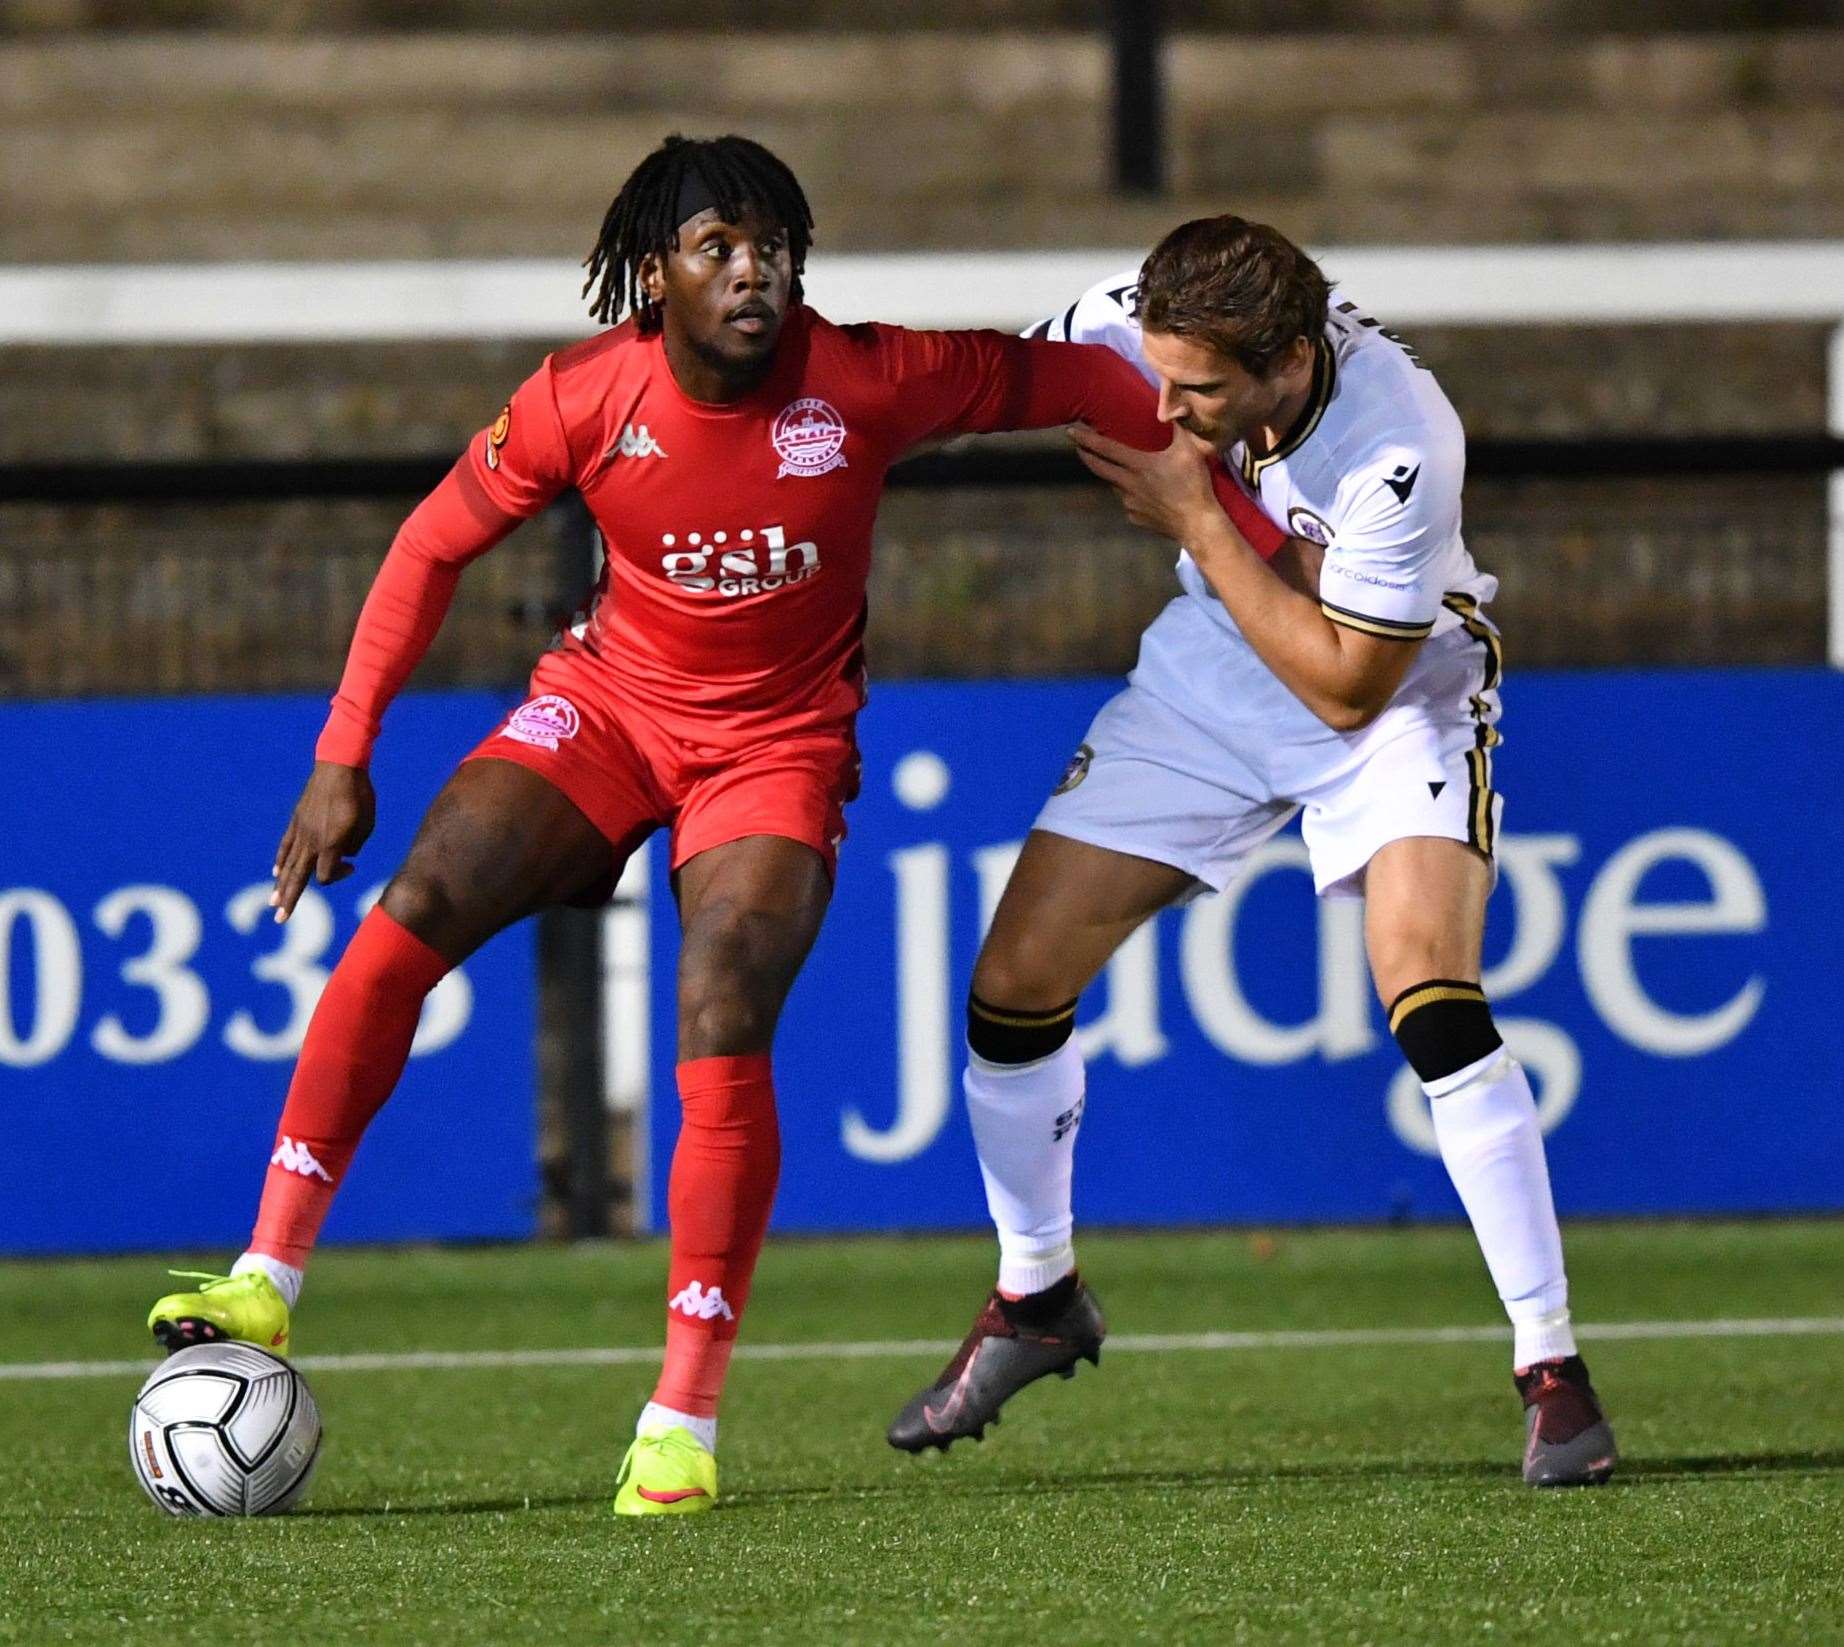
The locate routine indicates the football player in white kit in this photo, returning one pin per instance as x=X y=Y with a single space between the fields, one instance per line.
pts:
x=1353 y=677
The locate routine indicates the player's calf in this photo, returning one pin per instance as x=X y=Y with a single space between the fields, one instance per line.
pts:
x=1024 y=1086
x=1485 y=1121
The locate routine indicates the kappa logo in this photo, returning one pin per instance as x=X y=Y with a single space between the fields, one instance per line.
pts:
x=810 y=436
x=701 y=1304
x=636 y=442
x=544 y=722
x=757 y=563
x=293 y=1157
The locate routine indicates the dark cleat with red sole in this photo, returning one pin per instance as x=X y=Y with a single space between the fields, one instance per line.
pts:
x=1012 y=1344
x=1567 y=1439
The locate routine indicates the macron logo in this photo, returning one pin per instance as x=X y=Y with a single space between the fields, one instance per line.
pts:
x=701 y=1305
x=634 y=443
x=293 y=1157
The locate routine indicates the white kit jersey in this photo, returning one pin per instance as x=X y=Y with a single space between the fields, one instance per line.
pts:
x=1371 y=472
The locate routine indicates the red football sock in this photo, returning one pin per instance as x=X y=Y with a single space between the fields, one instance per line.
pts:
x=718 y=1198
x=354 y=1053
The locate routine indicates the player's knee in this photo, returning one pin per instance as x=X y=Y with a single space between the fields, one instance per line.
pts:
x=1025 y=971
x=1413 y=945
x=1019 y=1009
x=733 y=977
x=1443 y=1025
x=422 y=903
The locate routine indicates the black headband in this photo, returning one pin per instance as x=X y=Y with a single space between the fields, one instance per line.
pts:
x=695 y=196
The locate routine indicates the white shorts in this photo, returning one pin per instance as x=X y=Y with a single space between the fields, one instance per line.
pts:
x=1205 y=755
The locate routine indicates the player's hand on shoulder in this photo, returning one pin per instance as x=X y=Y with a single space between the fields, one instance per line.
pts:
x=1168 y=492
x=331 y=821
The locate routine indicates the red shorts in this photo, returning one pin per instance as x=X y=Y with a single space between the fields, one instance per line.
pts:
x=629 y=774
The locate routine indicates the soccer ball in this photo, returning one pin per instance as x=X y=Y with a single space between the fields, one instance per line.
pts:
x=224 y=1429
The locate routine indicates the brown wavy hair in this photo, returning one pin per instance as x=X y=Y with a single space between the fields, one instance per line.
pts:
x=1243 y=288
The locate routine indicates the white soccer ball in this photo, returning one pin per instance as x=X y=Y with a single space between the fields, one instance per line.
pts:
x=224 y=1429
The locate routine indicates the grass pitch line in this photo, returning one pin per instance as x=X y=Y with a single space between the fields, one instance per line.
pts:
x=629 y=1355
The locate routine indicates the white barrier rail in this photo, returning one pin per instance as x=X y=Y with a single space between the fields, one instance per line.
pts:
x=540 y=298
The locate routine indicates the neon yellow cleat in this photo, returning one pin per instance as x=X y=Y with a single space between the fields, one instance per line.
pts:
x=666 y=1472
x=247 y=1308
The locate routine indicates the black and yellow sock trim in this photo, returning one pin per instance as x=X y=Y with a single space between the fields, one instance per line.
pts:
x=1442 y=1026
x=1003 y=1035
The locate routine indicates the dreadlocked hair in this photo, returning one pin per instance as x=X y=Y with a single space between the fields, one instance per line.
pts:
x=642 y=221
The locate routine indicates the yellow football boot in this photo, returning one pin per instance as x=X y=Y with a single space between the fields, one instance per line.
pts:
x=248 y=1308
x=668 y=1471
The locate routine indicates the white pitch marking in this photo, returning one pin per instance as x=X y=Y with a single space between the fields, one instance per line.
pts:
x=630 y=1355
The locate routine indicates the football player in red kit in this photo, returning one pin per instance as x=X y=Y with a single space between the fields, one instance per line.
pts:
x=732 y=446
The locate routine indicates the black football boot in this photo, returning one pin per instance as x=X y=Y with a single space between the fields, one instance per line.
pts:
x=1012 y=1344
x=1568 y=1441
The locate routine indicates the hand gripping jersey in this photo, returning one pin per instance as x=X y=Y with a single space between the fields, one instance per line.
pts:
x=1371 y=472
x=731 y=604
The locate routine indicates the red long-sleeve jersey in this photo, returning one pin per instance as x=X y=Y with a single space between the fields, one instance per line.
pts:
x=738 y=536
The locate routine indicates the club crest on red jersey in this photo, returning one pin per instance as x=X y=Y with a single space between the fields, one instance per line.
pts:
x=810 y=437
x=544 y=722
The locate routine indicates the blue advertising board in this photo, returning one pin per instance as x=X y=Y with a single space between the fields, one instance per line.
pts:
x=1663 y=953
x=150 y=1008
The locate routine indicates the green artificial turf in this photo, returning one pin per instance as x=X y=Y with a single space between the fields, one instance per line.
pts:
x=1308 y=1493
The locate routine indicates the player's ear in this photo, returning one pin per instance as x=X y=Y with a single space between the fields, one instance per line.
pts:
x=653 y=278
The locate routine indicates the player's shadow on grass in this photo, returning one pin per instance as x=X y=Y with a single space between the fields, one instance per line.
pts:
x=465 y=1506
x=1632 y=1473
x=1643 y=1471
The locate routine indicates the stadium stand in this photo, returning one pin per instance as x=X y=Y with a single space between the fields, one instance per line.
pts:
x=214 y=129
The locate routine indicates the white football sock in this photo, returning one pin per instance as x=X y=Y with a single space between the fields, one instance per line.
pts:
x=1025 y=1118
x=1486 y=1123
x=286 y=1277
x=654 y=1416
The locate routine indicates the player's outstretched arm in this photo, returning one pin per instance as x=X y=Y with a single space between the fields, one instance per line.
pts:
x=1075 y=383
x=509 y=472
x=332 y=820
x=982 y=382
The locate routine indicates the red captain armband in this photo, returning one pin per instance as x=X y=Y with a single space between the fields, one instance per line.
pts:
x=1245 y=514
